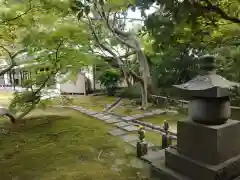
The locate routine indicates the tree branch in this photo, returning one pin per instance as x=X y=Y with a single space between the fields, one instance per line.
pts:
x=53 y=72
x=20 y=15
x=11 y=57
x=116 y=32
x=214 y=8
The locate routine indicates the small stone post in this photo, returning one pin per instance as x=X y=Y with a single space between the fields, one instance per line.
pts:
x=142 y=146
x=166 y=139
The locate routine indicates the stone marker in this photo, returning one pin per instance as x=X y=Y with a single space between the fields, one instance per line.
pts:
x=141 y=145
x=117 y=132
x=208 y=146
x=121 y=124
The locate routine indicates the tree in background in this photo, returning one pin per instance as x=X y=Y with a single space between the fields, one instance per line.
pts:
x=109 y=79
x=107 y=22
x=184 y=30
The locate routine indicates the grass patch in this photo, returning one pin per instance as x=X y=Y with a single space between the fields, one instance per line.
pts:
x=5 y=98
x=95 y=103
x=61 y=144
x=154 y=137
x=127 y=108
x=171 y=118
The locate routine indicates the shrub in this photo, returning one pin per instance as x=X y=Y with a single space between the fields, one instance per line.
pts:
x=110 y=79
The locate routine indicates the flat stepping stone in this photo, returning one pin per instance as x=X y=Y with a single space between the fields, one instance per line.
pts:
x=114 y=120
x=159 y=111
x=105 y=117
x=90 y=112
x=137 y=116
x=121 y=124
x=129 y=138
x=96 y=115
x=117 y=132
x=130 y=128
x=128 y=118
x=149 y=114
x=77 y=108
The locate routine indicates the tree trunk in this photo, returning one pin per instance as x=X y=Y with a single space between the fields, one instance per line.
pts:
x=145 y=73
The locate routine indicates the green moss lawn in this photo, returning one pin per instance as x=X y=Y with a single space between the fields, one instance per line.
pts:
x=60 y=144
x=171 y=118
x=96 y=103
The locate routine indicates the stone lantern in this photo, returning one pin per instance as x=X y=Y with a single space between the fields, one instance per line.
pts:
x=208 y=142
x=209 y=95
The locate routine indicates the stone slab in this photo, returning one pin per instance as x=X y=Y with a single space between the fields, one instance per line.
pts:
x=130 y=128
x=148 y=114
x=209 y=144
x=117 y=132
x=200 y=171
x=128 y=118
x=112 y=120
x=103 y=117
x=90 y=113
x=129 y=138
x=96 y=115
x=137 y=116
x=159 y=111
x=121 y=124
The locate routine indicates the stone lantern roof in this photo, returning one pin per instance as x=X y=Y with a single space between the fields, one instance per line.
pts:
x=208 y=84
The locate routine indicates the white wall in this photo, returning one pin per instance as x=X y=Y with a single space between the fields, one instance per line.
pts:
x=75 y=86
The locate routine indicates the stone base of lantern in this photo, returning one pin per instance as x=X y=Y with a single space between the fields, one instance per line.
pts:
x=209 y=144
x=174 y=166
x=200 y=171
x=202 y=153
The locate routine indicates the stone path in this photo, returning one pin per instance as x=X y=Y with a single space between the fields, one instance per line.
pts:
x=128 y=123
x=122 y=126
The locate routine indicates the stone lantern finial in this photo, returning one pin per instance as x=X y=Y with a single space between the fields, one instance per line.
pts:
x=207 y=64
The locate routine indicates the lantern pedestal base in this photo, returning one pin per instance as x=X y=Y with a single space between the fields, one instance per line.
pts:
x=202 y=153
x=209 y=144
x=200 y=171
x=174 y=166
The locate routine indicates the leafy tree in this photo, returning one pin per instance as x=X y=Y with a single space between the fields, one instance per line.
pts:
x=45 y=30
x=184 y=30
x=107 y=22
